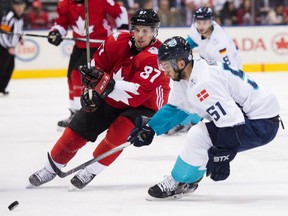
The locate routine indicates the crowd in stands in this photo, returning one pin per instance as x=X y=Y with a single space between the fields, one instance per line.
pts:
x=40 y=14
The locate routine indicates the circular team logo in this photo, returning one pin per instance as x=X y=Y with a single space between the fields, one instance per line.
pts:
x=27 y=51
x=279 y=44
x=67 y=48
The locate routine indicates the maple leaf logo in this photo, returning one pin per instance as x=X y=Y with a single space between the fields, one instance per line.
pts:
x=280 y=44
x=123 y=87
x=80 y=27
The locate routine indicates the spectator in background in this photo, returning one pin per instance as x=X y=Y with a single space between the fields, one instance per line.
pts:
x=167 y=16
x=4 y=7
x=147 y=4
x=277 y=15
x=11 y=23
x=37 y=18
x=229 y=13
x=244 y=15
x=190 y=7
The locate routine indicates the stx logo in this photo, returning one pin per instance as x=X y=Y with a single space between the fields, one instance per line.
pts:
x=221 y=158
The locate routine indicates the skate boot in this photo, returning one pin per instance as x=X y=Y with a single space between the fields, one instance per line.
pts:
x=193 y=186
x=168 y=188
x=82 y=178
x=64 y=123
x=41 y=177
x=4 y=92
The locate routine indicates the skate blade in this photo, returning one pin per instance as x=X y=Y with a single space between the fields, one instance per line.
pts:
x=60 y=129
x=174 y=197
x=72 y=188
x=30 y=186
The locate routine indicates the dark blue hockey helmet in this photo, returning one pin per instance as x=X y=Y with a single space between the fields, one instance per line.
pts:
x=203 y=13
x=175 y=48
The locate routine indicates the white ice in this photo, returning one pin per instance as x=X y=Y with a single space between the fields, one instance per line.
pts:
x=258 y=184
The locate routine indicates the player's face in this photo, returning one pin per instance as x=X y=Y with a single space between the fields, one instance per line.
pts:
x=143 y=36
x=203 y=26
x=19 y=9
x=168 y=68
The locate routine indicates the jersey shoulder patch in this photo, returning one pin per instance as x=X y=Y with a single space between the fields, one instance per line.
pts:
x=153 y=50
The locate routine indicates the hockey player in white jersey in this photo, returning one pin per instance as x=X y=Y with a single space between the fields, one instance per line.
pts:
x=240 y=114
x=213 y=43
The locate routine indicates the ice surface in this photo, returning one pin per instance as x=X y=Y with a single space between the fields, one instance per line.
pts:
x=258 y=184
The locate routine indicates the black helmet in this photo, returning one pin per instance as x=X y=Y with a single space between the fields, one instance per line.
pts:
x=78 y=1
x=175 y=48
x=203 y=13
x=18 y=2
x=145 y=17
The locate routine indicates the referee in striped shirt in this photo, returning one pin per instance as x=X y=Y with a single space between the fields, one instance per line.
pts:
x=12 y=22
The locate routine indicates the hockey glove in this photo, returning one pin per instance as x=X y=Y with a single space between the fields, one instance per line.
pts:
x=141 y=134
x=97 y=79
x=218 y=166
x=90 y=100
x=54 y=37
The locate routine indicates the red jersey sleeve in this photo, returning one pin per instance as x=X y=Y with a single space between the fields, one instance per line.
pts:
x=62 y=21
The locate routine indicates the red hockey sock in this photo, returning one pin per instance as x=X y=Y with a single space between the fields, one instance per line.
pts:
x=76 y=83
x=67 y=146
x=70 y=86
x=117 y=134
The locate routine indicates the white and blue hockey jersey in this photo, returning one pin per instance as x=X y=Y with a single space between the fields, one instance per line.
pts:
x=219 y=93
x=219 y=47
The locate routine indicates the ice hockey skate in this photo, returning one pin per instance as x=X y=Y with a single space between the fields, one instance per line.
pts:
x=82 y=178
x=167 y=189
x=41 y=177
x=64 y=123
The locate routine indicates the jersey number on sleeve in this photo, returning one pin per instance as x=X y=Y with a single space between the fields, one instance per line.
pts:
x=240 y=74
x=215 y=111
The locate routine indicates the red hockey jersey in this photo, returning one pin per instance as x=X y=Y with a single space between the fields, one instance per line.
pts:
x=71 y=14
x=139 y=81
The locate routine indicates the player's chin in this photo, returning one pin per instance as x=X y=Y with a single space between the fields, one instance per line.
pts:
x=140 y=44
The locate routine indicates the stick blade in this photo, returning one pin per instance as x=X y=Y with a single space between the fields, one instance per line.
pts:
x=54 y=167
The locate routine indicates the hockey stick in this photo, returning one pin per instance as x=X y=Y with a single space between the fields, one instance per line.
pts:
x=46 y=36
x=87 y=36
x=87 y=163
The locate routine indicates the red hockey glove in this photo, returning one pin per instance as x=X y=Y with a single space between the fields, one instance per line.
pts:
x=90 y=100
x=54 y=37
x=98 y=80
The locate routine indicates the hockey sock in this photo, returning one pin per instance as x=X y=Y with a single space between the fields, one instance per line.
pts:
x=117 y=134
x=75 y=85
x=67 y=146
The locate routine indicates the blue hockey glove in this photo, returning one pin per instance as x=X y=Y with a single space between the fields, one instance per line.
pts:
x=218 y=166
x=141 y=134
x=90 y=102
x=54 y=37
x=97 y=79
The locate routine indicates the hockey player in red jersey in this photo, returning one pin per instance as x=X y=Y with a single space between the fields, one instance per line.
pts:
x=72 y=15
x=126 y=82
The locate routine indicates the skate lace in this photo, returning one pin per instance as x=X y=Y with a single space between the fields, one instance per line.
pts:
x=44 y=175
x=168 y=184
x=85 y=176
